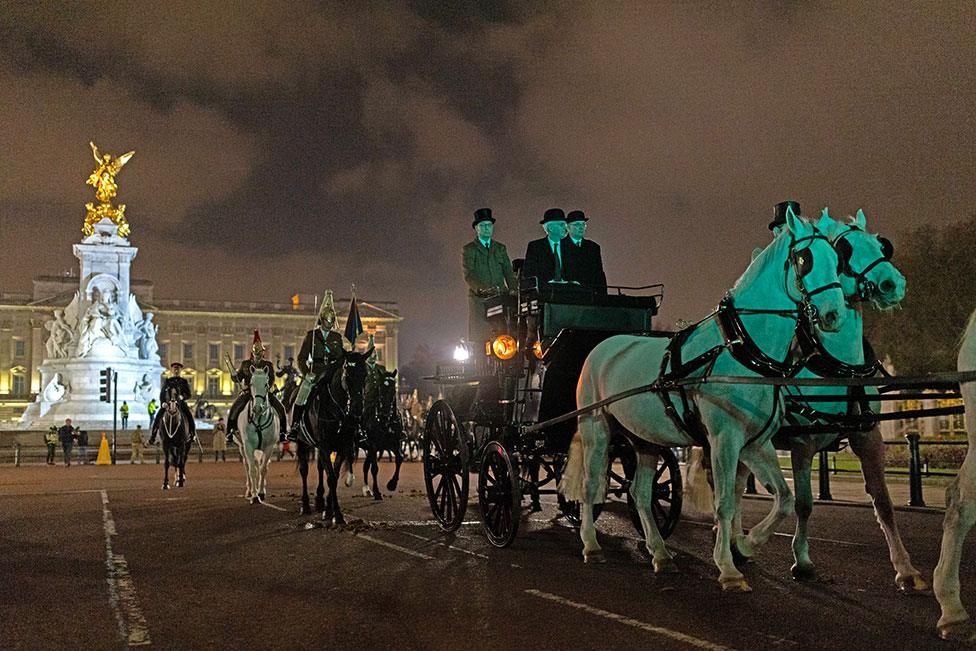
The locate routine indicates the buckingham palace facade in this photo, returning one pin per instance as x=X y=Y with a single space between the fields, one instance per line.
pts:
x=200 y=334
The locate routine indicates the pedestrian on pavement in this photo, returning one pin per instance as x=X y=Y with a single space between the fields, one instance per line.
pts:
x=220 y=440
x=124 y=412
x=151 y=408
x=51 y=439
x=83 y=447
x=137 y=443
x=66 y=437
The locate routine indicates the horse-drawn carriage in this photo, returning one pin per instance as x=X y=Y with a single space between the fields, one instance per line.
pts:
x=508 y=415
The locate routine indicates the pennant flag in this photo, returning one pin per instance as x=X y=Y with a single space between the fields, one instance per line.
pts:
x=354 y=324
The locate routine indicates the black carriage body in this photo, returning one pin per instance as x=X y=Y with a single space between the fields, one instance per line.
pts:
x=489 y=402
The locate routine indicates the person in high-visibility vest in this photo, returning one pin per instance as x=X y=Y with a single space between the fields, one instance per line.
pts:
x=151 y=407
x=124 y=412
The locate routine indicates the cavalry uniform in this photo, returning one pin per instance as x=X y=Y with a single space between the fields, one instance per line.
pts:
x=174 y=388
x=243 y=375
x=487 y=268
x=290 y=373
x=319 y=358
x=375 y=373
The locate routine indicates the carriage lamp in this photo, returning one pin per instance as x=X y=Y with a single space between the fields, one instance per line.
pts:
x=461 y=353
x=537 y=349
x=504 y=347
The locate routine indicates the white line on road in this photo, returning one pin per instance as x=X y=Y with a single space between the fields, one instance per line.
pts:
x=789 y=535
x=396 y=547
x=121 y=591
x=444 y=544
x=606 y=614
x=272 y=506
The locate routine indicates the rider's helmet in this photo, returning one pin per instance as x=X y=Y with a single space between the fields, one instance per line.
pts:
x=327 y=315
x=175 y=368
x=257 y=348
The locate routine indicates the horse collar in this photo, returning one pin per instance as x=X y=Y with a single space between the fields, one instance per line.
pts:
x=744 y=349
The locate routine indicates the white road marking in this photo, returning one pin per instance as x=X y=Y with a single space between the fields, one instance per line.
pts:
x=444 y=544
x=396 y=547
x=272 y=506
x=788 y=535
x=644 y=626
x=133 y=629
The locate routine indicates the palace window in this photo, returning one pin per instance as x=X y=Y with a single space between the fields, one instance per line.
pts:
x=238 y=353
x=20 y=348
x=289 y=351
x=213 y=353
x=187 y=353
x=19 y=384
x=163 y=352
x=213 y=385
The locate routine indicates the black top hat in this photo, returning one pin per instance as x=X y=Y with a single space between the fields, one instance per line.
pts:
x=779 y=213
x=175 y=365
x=576 y=216
x=482 y=215
x=553 y=215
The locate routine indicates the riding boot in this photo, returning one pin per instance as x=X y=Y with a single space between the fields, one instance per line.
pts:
x=298 y=412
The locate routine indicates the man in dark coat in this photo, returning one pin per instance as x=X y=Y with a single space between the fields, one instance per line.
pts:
x=779 y=213
x=180 y=390
x=243 y=375
x=546 y=259
x=66 y=435
x=585 y=261
x=487 y=271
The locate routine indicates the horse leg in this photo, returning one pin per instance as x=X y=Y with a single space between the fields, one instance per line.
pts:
x=366 y=467
x=954 y=622
x=642 y=490
x=165 y=470
x=305 y=508
x=869 y=447
x=263 y=472
x=725 y=448
x=335 y=470
x=375 y=470
x=801 y=458
x=594 y=439
x=320 y=505
x=398 y=459
x=763 y=462
x=350 y=473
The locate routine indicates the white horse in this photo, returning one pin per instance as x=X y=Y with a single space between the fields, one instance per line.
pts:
x=867 y=275
x=752 y=334
x=258 y=425
x=960 y=511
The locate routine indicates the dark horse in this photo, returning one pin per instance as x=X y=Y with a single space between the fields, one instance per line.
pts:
x=383 y=430
x=331 y=424
x=174 y=434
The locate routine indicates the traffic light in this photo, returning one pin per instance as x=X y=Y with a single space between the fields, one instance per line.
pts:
x=105 y=385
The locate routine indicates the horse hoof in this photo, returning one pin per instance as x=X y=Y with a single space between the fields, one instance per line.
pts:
x=391 y=485
x=377 y=497
x=367 y=492
x=304 y=509
x=962 y=631
x=261 y=496
x=350 y=480
x=803 y=573
x=735 y=584
x=165 y=487
x=594 y=557
x=255 y=500
x=911 y=583
x=665 y=566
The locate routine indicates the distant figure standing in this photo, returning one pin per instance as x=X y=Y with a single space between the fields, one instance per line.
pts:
x=137 y=443
x=151 y=408
x=65 y=436
x=51 y=439
x=220 y=440
x=83 y=447
x=124 y=412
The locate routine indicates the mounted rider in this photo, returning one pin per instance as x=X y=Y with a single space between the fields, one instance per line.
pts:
x=290 y=373
x=375 y=373
x=320 y=357
x=243 y=375
x=175 y=388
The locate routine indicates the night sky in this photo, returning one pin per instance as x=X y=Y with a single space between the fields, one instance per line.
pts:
x=293 y=147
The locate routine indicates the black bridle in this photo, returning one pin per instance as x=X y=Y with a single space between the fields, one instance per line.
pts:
x=866 y=290
x=801 y=260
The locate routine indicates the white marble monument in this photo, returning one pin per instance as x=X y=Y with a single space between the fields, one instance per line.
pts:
x=103 y=326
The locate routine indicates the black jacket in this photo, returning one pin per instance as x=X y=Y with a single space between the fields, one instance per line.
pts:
x=541 y=263
x=586 y=264
x=179 y=386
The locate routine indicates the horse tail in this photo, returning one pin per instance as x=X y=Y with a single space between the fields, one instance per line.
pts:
x=698 y=496
x=571 y=484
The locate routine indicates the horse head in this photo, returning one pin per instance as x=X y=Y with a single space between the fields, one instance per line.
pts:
x=355 y=371
x=866 y=270
x=800 y=268
x=259 y=392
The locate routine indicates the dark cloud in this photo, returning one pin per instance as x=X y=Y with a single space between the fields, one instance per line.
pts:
x=283 y=151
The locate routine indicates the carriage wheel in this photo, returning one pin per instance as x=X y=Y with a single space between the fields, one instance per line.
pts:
x=570 y=509
x=667 y=495
x=499 y=495
x=445 y=472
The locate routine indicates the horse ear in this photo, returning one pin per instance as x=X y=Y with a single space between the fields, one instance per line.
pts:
x=860 y=219
x=793 y=223
x=394 y=374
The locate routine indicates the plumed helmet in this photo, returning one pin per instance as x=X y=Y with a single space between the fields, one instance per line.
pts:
x=328 y=313
x=257 y=346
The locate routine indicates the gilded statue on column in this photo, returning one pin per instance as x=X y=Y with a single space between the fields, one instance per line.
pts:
x=103 y=180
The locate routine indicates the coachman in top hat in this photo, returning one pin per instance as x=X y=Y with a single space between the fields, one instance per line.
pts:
x=487 y=271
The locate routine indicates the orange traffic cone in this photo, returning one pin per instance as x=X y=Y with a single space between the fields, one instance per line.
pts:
x=104 y=456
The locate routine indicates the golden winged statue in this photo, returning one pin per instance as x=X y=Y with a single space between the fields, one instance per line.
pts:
x=103 y=180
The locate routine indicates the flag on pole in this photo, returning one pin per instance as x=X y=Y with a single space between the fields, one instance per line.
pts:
x=354 y=324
